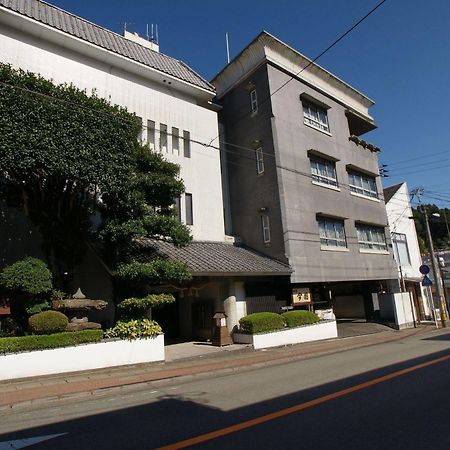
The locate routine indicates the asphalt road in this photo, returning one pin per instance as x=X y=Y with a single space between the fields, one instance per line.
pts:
x=394 y=395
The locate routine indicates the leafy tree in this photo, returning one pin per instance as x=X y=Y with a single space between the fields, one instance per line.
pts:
x=29 y=282
x=29 y=275
x=438 y=226
x=68 y=156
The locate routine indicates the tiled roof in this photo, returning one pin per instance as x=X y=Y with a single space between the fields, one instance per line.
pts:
x=76 y=26
x=214 y=258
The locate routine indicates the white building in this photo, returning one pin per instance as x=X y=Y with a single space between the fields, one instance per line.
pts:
x=173 y=100
x=175 y=105
x=406 y=248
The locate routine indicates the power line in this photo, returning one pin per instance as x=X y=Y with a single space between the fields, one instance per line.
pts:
x=292 y=77
x=192 y=140
x=416 y=158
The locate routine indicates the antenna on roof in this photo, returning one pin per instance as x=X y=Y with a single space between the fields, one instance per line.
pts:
x=125 y=26
x=228 y=48
x=157 y=37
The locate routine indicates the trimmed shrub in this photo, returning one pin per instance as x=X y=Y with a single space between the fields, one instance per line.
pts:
x=299 y=318
x=136 y=308
x=48 y=322
x=134 y=329
x=29 y=275
x=28 y=343
x=262 y=322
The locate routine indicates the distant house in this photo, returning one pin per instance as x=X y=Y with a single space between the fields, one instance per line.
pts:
x=406 y=248
x=301 y=184
x=178 y=116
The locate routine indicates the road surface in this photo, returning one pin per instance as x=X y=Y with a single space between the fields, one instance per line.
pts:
x=394 y=395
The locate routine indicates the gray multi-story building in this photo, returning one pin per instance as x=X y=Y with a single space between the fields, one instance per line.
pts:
x=300 y=184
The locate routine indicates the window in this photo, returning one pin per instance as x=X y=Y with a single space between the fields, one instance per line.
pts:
x=175 y=141
x=189 y=210
x=362 y=184
x=371 y=237
x=259 y=160
x=401 y=249
x=265 y=228
x=332 y=232
x=315 y=116
x=323 y=171
x=186 y=144
x=162 y=137
x=151 y=134
x=141 y=131
x=254 y=101
x=177 y=208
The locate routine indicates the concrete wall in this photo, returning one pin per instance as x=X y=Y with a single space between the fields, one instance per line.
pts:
x=398 y=308
x=289 y=336
x=81 y=357
x=303 y=199
x=286 y=190
x=65 y=59
x=252 y=194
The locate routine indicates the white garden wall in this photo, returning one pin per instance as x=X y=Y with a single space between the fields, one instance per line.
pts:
x=307 y=333
x=81 y=357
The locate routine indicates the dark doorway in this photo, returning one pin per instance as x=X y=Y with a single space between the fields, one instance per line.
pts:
x=167 y=317
x=202 y=313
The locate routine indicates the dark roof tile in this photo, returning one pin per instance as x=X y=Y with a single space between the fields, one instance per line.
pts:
x=214 y=258
x=76 y=26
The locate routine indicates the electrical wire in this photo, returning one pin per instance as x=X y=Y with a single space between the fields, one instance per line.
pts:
x=192 y=140
x=323 y=52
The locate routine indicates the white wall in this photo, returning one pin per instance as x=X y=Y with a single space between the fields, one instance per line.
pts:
x=289 y=336
x=126 y=83
x=81 y=357
x=398 y=307
x=399 y=212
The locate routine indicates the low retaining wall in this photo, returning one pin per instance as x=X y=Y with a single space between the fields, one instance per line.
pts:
x=307 y=333
x=81 y=357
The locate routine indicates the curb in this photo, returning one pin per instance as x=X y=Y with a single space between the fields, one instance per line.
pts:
x=46 y=394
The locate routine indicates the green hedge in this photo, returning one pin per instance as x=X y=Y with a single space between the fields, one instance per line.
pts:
x=262 y=322
x=41 y=342
x=265 y=322
x=299 y=318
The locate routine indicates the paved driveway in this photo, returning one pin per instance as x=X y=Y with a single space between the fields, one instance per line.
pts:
x=358 y=327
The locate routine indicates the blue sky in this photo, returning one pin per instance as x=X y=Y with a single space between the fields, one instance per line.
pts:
x=399 y=57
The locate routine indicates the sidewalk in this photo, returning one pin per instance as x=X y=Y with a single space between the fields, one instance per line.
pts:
x=188 y=359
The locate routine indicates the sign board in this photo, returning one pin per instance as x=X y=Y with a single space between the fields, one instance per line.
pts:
x=424 y=269
x=437 y=314
x=301 y=296
x=426 y=281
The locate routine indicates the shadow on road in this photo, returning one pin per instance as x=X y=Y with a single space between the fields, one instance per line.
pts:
x=439 y=337
x=386 y=415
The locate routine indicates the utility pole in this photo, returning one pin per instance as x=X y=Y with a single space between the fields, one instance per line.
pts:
x=434 y=266
x=446 y=224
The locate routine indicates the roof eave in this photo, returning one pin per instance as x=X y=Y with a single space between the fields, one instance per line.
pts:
x=78 y=45
x=361 y=99
x=241 y=274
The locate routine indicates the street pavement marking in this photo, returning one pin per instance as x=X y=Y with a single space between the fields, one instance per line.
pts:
x=296 y=408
